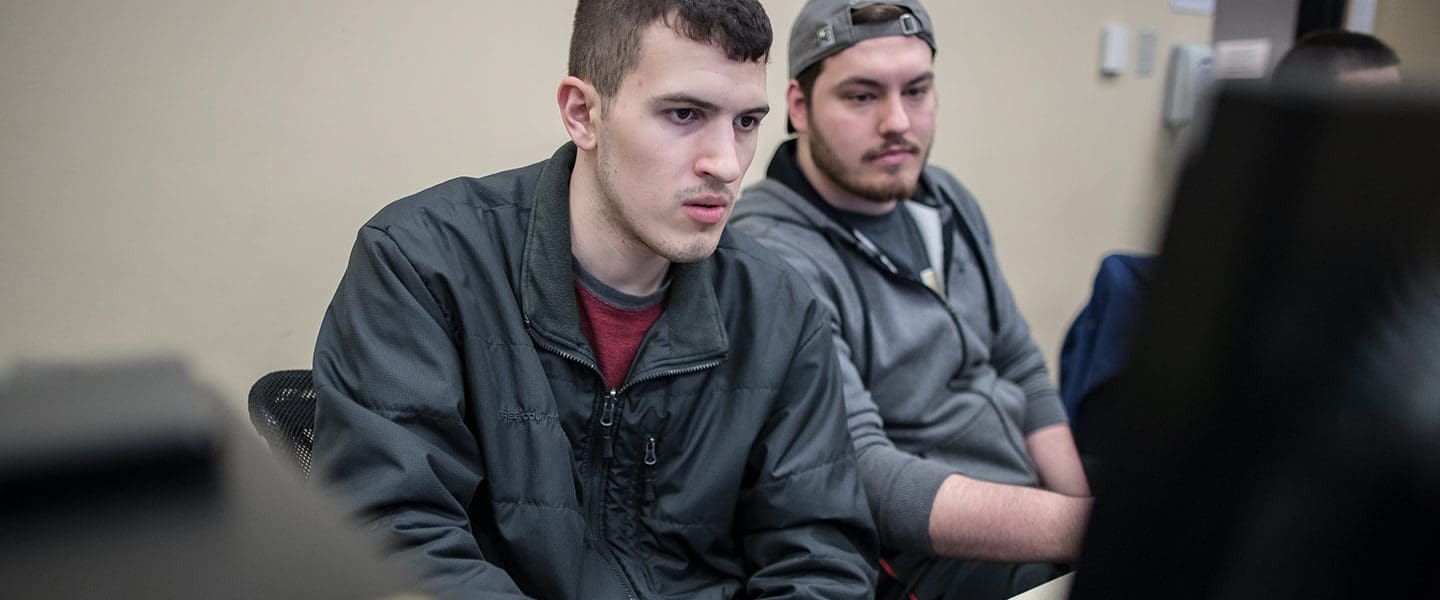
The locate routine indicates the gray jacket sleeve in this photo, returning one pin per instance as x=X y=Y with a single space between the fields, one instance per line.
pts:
x=1014 y=353
x=390 y=437
x=900 y=486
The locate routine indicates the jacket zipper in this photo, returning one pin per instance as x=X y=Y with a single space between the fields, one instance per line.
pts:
x=598 y=449
x=650 y=458
x=889 y=269
x=599 y=457
x=648 y=478
x=874 y=255
x=671 y=373
x=607 y=426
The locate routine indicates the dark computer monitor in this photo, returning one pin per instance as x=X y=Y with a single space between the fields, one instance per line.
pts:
x=132 y=480
x=1277 y=434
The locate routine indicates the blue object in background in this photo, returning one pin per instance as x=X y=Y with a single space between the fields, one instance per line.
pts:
x=1098 y=343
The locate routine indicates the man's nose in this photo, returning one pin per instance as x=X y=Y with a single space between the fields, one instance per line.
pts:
x=720 y=156
x=895 y=118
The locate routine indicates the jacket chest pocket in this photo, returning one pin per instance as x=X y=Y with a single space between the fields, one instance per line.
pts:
x=682 y=473
x=644 y=442
x=640 y=456
x=649 y=457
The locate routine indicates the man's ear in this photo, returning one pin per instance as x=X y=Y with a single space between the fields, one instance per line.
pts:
x=795 y=104
x=579 y=111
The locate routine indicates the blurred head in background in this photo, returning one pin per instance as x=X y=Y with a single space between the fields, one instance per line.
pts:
x=1337 y=59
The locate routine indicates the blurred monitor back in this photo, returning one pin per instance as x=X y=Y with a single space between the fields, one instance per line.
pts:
x=1278 y=432
x=131 y=480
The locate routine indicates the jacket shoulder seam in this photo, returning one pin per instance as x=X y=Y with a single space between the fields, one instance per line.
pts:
x=449 y=321
x=415 y=411
x=410 y=217
x=716 y=524
x=526 y=502
x=390 y=410
x=805 y=472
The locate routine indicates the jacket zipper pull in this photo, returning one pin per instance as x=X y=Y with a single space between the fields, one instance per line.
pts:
x=607 y=420
x=650 y=460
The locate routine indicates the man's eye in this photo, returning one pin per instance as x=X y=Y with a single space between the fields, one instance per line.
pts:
x=684 y=115
x=747 y=123
x=919 y=91
x=862 y=97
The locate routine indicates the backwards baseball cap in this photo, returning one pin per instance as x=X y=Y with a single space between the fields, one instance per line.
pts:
x=824 y=28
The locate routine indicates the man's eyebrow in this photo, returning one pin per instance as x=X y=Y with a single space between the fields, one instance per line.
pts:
x=859 y=80
x=867 y=82
x=927 y=77
x=683 y=98
x=707 y=106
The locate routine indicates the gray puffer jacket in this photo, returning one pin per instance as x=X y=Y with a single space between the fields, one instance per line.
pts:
x=936 y=382
x=462 y=414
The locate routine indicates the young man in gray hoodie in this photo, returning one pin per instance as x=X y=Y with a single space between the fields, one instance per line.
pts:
x=963 y=447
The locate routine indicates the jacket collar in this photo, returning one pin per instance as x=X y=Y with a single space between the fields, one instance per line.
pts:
x=689 y=331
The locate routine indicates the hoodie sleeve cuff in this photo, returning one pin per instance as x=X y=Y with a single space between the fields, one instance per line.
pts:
x=1044 y=411
x=902 y=489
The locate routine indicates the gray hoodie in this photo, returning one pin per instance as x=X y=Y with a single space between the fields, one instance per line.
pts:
x=937 y=380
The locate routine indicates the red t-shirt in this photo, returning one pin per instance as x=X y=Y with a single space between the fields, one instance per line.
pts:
x=615 y=333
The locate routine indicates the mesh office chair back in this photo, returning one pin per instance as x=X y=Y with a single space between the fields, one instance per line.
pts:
x=282 y=408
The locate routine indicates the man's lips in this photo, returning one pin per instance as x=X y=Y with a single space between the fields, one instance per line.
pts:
x=707 y=209
x=718 y=201
x=891 y=153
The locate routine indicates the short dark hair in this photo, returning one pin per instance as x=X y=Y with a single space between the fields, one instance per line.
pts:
x=606 y=39
x=875 y=13
x=1318 y=57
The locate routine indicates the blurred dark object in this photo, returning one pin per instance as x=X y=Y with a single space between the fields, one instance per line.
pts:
x=1278 y=432
x=282 y=409
x=1313 y=15
x=133 y=481
x=70 y=432
x=1098 y=344
x=1331 y=59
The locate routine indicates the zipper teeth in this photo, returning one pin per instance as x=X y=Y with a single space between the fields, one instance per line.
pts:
x=539 y=341
x=964 y=351
x=651 y=377
x=597 y=477
x=891 y=271
x=657 y=375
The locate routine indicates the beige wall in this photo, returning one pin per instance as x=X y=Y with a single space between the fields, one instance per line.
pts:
x=1412 y=28
x=1068 y=165
x=187 y=176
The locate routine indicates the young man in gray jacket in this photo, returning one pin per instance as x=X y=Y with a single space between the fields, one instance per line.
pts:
x=566 y=381
x=963 y=447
